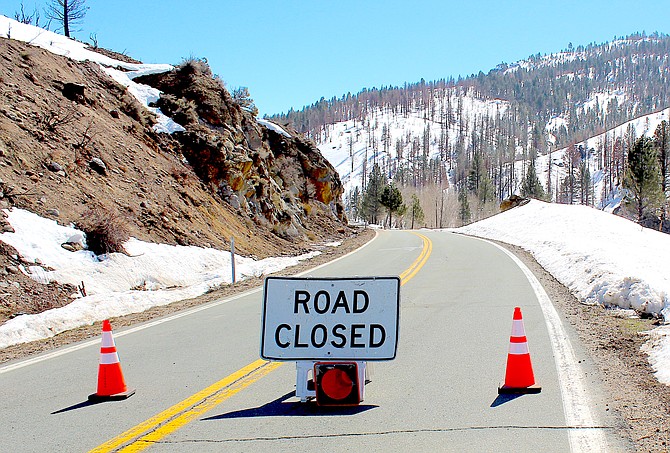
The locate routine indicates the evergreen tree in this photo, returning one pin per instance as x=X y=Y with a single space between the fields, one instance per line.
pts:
x=531 y=185
x=585 y=184
x=643 y=177
x=464 y=213
x=478 y=180
x=662 y=143
x=418 y=215
x=571 y=160
x=371 y=205
x=391 y=199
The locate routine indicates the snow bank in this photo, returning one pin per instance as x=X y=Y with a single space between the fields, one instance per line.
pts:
x=117 y=284
x=600 y=257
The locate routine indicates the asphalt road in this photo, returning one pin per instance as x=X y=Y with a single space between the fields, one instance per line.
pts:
x=201 y=387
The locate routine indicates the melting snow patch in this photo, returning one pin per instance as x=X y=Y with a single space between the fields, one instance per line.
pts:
x=117 y=284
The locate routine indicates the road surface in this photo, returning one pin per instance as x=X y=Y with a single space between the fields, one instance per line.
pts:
x=201 y=386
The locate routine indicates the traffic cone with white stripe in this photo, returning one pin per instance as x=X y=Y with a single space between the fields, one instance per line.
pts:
x=519 y=377
x=111 y=385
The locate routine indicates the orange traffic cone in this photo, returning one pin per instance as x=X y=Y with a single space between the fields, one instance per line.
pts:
x=519 y=376
x=111 y=385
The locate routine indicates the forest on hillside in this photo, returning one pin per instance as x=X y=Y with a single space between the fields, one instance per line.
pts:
x=482 y=134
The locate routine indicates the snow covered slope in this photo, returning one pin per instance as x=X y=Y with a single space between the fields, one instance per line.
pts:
x=387 y=137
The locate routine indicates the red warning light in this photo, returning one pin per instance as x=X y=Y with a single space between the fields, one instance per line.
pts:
x=337 y=383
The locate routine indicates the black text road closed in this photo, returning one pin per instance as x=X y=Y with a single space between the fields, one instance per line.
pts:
x=334 y=318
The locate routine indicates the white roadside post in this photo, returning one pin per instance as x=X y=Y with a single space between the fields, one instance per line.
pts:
x=330 y=327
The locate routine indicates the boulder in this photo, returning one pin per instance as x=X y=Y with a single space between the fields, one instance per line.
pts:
x=513 y=202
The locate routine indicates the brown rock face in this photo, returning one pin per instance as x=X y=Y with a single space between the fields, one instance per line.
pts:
x=513 y=202
x=278 y=180
x=72 y=139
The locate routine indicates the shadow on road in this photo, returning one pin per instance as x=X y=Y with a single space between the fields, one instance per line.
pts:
x=281 y=408
x=505 y=398
x=77 y=406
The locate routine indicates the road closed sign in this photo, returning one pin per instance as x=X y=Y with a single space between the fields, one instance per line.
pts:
x=330 y=318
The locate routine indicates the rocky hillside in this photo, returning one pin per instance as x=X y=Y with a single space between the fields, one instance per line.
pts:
x=76 y=147
x=278 y=179
x=75 y=144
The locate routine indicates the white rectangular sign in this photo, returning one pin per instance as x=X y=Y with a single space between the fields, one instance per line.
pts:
x=330 y=318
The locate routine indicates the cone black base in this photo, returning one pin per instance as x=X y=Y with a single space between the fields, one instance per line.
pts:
x=504 y=390
x=116 y=397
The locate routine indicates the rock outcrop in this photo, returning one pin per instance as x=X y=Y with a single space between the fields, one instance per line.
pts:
x=513 y=202
x=73 y=141
x=266 y=172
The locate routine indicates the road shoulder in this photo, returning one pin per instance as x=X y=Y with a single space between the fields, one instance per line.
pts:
x=329 y=253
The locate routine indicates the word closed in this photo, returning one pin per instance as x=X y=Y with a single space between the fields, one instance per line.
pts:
x=343 y=319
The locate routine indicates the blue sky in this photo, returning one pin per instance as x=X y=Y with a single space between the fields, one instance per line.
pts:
x=290 y=53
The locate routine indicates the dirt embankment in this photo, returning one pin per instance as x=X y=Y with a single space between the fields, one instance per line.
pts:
x=76 y=147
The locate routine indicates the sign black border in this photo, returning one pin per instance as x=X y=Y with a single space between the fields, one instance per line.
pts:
x=329 y=279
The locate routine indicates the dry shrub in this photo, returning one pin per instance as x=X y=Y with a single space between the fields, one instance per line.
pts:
x=106 y=231
x=194 y=65
x=180 y=110
x=131 y=107
x=52 y=120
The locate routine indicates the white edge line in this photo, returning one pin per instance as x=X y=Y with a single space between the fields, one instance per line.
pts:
x=576 y=402
x=121 y=333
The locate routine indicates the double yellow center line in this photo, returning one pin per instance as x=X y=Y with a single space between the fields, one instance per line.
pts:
x=161 y=425
x=418 y=263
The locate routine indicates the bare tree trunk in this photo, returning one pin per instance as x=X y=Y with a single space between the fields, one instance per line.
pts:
x=66 y=19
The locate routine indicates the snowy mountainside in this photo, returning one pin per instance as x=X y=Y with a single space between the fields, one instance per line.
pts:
x=486 y=127
x=606 y=195
x=390 y=138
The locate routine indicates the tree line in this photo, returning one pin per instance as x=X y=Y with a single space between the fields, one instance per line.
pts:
x=382 y=203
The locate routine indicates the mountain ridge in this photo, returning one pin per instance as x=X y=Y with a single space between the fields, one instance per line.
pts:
x=426 y=139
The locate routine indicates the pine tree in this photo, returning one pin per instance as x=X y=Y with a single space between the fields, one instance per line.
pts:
x=643 y=177
x=478 y=180
x=371 y=205
x=418 y=215
x=391 y=199
x=464 y=213
x=531 y=185
x=585 y=184
x=571 y=160
x=662 y=143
